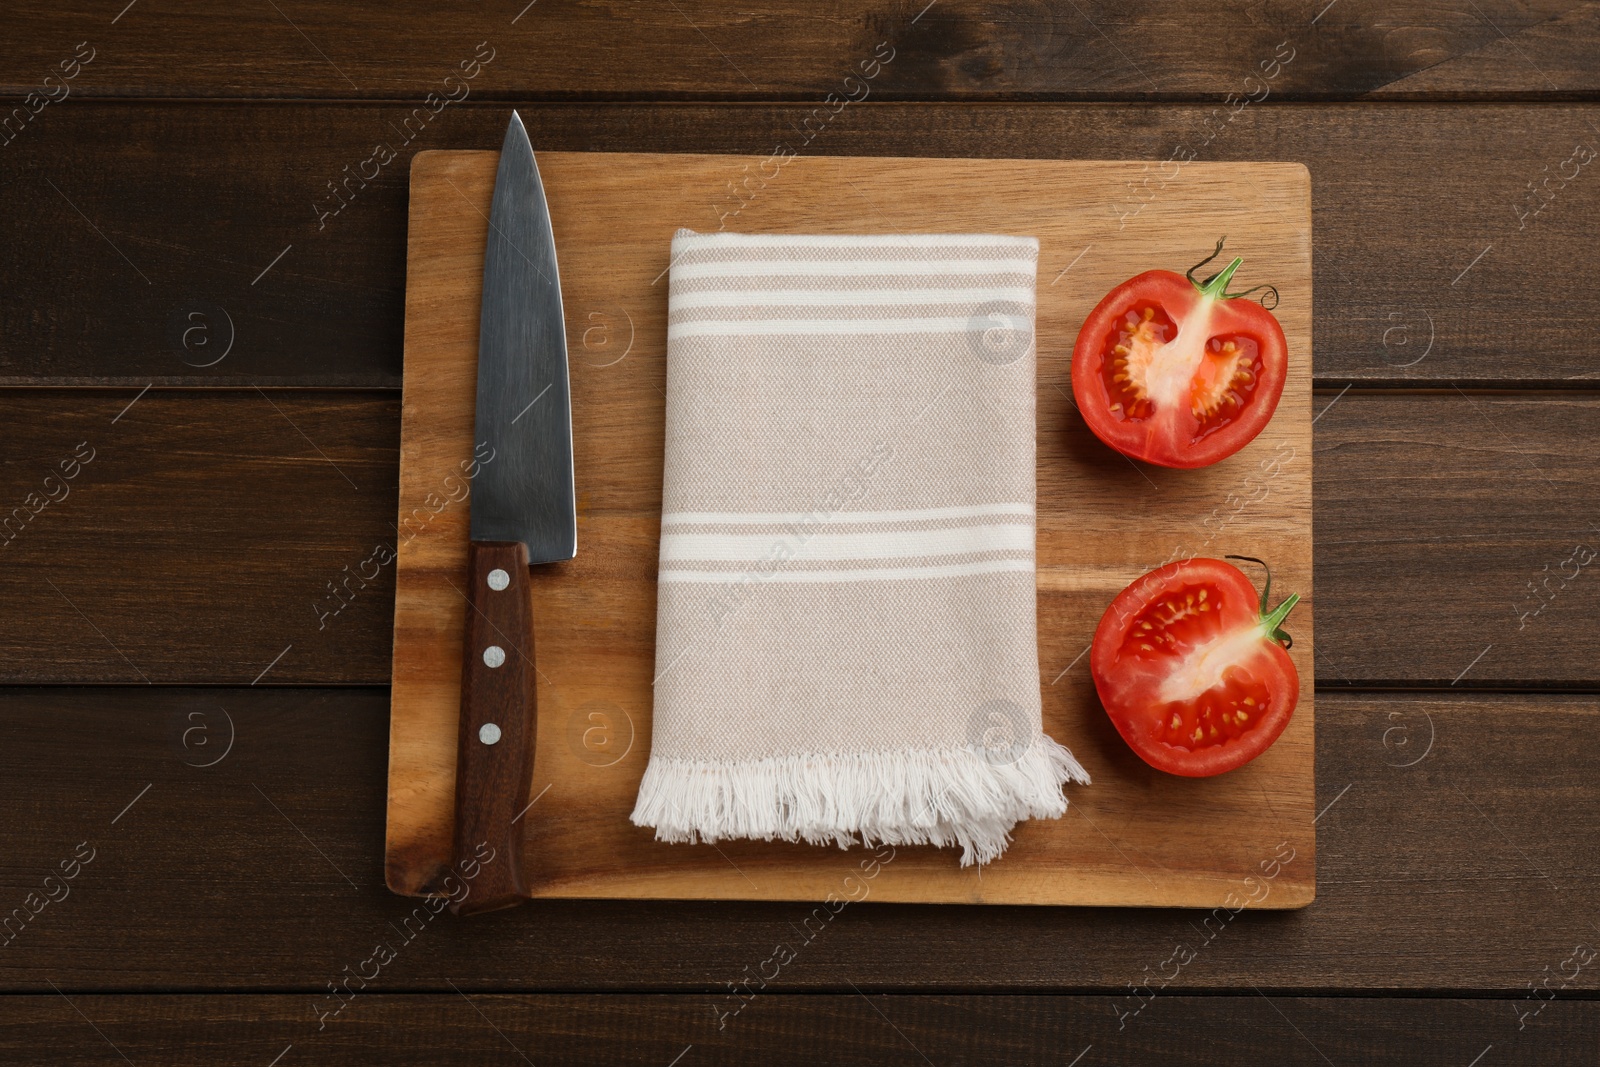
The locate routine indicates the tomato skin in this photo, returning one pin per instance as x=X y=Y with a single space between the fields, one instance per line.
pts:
x=1140 y=658
x=1173 y=435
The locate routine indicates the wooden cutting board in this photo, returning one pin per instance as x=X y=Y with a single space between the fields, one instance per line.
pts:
x=1134 y=837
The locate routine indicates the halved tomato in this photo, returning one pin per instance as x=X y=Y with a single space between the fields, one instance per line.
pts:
x=1189 y=665
x=1179 y=372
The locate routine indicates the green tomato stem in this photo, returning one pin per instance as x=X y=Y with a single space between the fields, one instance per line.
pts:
x=1271 y=623
x=1216 y=287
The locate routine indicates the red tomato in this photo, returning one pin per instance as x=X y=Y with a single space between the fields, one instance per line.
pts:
x=1178 y=372
x=1188 y=664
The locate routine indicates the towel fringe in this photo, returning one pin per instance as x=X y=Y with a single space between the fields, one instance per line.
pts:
x=966 y=795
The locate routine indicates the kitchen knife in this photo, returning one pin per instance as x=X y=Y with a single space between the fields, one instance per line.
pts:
x=524 y=511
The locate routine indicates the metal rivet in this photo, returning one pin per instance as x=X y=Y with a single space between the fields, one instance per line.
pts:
x=498 y=579
x=494 y=655
x=488 y=733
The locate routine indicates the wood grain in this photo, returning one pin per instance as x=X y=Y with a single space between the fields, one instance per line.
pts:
x=595 y=616
x=1454 y=876
x=240 y=536
x=849 y=1030
x=1406 y=198
x=957 y=50
x=1434 y=512
x=1472 y=869
x=493 y=770
x=1474 y=522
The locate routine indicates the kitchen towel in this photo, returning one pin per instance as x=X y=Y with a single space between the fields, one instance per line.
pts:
x=845 y=637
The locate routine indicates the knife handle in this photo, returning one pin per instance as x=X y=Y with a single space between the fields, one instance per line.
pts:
x=494 y=752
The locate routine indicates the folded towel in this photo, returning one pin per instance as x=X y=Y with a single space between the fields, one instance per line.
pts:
x=845 y=638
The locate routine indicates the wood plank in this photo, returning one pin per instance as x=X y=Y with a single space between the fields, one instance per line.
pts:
x=235 y=876
x=1424 y=270
x=848 y=1029
x=960 y=49
x=617 y=230
x=1434 y=512
x=204 y=536
x=1553 y=47
x=1467 y=514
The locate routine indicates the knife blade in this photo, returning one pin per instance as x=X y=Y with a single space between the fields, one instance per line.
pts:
x=523 y=511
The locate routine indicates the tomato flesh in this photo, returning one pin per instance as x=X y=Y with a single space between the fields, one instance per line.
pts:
x=1189 y=672
x=1126 y=356
x=1171 y=375
x=1225 y=382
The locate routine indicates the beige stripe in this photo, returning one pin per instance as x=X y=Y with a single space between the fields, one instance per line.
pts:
x=932 y=254
x=862 y=571
x=840 y=667
x=766 y=284
x=855 y=243
x=944 y=296
x=835 y=544
x=962 y=310
x=761 y=569
x=831 y=525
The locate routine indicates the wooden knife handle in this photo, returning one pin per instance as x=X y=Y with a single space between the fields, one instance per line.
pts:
x=494 y=752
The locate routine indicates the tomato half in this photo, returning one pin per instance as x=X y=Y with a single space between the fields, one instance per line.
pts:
x=1178 y=372
x=1189 y=666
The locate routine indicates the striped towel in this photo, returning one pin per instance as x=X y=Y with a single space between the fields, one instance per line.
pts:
x=845 y=639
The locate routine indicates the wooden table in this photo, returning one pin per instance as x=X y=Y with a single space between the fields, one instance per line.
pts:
x=205 y=332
